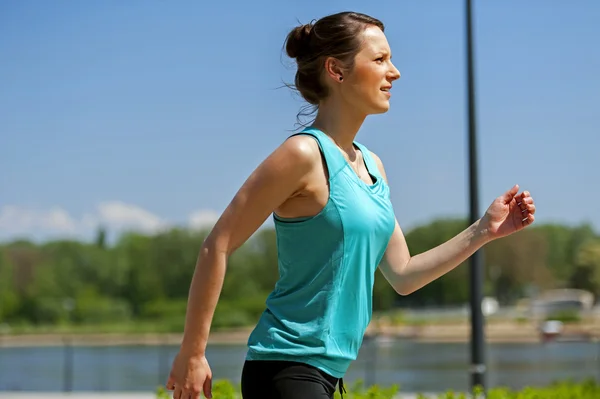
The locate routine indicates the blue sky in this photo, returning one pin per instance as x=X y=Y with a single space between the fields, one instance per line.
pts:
x=142 y=114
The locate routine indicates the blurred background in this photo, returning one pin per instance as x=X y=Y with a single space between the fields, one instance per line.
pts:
x=127 y=127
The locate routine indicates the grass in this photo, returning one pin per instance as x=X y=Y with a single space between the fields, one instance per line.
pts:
x=588 y=389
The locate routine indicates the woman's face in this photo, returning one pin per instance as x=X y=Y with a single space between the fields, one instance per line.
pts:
x=367 y=85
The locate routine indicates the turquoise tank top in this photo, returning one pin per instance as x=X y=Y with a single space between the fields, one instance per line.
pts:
x=322 y=303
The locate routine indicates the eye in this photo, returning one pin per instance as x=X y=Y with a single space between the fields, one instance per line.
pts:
x=379 y=60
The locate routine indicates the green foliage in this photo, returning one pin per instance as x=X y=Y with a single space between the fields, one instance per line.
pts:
x=90 y=307
x=450 y=289
x=566 y=316
x=221 y=389
x=589 y=389
x=587 y=266
x=358 y=391
x=9 y=299
x=143 y=280
x=228 y=315
x=517 y=264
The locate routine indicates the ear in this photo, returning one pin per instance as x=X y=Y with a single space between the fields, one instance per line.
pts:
x=334 y=69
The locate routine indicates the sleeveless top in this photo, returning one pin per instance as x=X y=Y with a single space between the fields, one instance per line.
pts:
x=322 y=303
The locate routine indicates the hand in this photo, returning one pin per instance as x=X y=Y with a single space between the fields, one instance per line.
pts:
x=509 y=213
x=190 y=375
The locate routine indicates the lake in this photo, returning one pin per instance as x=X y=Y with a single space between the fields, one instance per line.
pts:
x=415 y=366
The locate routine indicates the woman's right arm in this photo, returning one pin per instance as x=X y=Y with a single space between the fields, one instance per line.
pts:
x=281 y=175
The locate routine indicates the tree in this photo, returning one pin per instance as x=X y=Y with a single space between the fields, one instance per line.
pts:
x=586 y=274
x=451 y=288
x=516 y=266
x=9 y=298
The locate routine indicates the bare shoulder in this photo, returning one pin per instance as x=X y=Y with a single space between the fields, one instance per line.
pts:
x=281 y=175
x=301 y=149
x=379 y=165
x=290 y=164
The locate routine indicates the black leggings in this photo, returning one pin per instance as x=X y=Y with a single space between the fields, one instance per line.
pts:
x=286 y=380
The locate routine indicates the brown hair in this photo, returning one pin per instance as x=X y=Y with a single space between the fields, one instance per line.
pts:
x=336 y=35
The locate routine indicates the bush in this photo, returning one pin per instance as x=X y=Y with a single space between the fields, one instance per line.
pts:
x=158 y=309
x=50 y=311
x=91 y=307
x=589 y=389
x=230 y=315
x=566 y=316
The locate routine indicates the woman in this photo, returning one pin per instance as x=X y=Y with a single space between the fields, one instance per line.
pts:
x=335 y=225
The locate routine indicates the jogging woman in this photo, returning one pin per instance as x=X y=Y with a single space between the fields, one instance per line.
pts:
x=335 y=224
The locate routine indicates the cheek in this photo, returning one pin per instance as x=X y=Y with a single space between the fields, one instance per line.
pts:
x=365 y=80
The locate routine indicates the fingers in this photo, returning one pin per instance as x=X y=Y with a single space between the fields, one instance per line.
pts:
x=527 y=206
x=528 y=220
x=189 y=378
x=508 y=196
x=190 y=394
x=170 y=385
x=524 y=201
x=207 y=388
x=181 y=393
x=178 y=391
x=530 y=208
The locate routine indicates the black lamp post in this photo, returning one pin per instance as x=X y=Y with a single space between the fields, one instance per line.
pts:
x=478 y=367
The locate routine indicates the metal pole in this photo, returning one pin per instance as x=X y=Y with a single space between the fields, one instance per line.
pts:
x=478 y=367
x=162 y=360
x=68 y=365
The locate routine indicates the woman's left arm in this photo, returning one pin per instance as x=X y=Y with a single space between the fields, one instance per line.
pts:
x=509 y=213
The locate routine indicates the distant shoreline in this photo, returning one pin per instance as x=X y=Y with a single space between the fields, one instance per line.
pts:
x=434 y=333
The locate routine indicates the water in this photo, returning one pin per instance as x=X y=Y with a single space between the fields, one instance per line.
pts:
x=416 y=367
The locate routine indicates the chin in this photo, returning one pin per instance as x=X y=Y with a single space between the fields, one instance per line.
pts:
x=374 y=107
x=381 y=108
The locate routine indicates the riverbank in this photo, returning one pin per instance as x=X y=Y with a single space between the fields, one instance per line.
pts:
x=131 y=396
x=506 y=332
x=76 y=395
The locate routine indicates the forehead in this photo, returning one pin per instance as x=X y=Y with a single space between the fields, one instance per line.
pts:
x=374 y=41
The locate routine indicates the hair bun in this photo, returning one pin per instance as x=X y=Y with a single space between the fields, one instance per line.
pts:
x=298 y=41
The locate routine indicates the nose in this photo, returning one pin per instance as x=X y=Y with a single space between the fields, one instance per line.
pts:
x=394 y=73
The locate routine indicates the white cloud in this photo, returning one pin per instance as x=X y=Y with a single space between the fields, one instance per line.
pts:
x=118 y=215
x=18 y=220
x=115 y=216
x=202 y=219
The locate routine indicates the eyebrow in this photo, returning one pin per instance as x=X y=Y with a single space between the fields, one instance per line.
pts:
x=383 y=53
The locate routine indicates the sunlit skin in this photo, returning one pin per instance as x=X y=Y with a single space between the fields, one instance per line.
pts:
x=292 y=181
x=363 y=91
x=365 y=88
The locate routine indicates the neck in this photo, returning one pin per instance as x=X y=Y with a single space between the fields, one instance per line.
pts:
x=340 y=122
